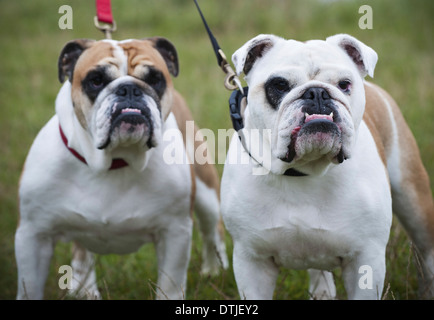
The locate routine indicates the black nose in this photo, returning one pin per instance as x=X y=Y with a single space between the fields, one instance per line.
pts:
x=316 y=94
x=129 y=91
x=317 y=101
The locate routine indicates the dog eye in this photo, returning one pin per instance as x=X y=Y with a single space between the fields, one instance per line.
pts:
x=94 y=82
x=155 y=79
x=275 y=90
x=280 y=85
x=97 y=82
x=345 y=86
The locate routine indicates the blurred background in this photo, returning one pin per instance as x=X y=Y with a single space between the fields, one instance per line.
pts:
x=31 y=40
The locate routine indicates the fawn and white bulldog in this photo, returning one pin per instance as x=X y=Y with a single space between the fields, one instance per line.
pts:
x=96 y=172
x=355 y=161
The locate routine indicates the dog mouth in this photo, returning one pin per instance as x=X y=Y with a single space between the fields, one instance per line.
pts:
x=129 y=125
x=311 y=117
x=317 y=134
x=129 y=115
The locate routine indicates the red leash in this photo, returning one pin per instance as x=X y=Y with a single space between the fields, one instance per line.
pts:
x=104 y=18
x=104 y=11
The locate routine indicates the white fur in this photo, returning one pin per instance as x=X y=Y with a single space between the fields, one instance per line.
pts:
x=308 y=222
x=337 y=216
x=108 y=211
x=283 y=58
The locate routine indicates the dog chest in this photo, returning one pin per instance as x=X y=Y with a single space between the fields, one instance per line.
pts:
x=298 y=239
x=307 y=222
x=303 y=248
x=116 y=211
x=123 y=212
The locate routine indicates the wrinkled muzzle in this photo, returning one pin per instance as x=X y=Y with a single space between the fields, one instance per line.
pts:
x=126 y=118
x=318 y=129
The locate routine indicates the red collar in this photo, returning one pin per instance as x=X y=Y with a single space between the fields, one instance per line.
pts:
x=116 y=163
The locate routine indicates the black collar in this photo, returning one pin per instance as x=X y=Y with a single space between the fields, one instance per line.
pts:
x=291 y=172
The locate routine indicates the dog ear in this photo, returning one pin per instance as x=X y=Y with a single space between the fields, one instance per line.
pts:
x=168 y=52
x=69 y=56
x=363 y=56
x=245 y=57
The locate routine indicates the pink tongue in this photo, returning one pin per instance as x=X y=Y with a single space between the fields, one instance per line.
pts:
x=311 y=117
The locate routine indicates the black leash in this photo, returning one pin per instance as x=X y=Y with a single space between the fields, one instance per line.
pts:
x=231 y=82
x=238 y=98
x=214 y=42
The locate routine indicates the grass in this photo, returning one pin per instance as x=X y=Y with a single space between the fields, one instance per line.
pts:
x=30 y=41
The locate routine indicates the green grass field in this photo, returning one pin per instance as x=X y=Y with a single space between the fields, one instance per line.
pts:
x=30 y=41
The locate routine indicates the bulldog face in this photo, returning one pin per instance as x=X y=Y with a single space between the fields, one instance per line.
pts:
x=121 y=91
x=310 y=95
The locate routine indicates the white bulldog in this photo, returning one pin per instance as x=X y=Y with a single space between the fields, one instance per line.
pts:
x=96 y=173
x=339 y=152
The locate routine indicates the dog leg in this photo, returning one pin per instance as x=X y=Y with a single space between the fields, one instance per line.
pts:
x=364 y=276
x=256 y=278
x=33 y=253
x=207 y=208
x=321 y=285
x=207 y=202
x=84 y=277
x=173 y=252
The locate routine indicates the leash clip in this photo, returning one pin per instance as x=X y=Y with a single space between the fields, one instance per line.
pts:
x=232 y=82
x=106 y=28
